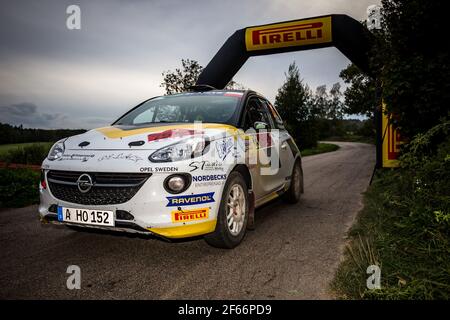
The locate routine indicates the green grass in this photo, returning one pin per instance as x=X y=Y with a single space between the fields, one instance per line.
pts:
x=404 y=228
x=5 y=148
x=413 y=263
x=321 y=148
x=18 y=187
x=25 y=153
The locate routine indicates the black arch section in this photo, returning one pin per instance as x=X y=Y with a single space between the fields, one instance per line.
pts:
x=348 y=35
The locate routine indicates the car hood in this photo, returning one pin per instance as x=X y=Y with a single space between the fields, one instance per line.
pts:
x=144 y=138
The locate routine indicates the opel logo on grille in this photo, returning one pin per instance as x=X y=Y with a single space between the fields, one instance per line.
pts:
x=84 y=183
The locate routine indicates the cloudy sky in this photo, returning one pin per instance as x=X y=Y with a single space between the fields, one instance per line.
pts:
x=53 y=77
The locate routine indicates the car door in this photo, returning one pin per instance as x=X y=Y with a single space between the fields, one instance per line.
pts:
x=287 y=148
x=266 y=174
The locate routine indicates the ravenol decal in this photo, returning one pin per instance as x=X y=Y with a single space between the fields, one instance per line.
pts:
x=190 y=215
x=189 y=200
x=289 y=34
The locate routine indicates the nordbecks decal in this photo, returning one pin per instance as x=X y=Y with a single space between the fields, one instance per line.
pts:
x=189 y=200
x=190 y=215
x=287 y=34
x=209 y=177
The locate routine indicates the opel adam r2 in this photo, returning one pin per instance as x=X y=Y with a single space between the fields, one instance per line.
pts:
x=178 y=166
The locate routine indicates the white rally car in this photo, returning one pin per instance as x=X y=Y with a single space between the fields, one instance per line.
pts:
x=177 y=166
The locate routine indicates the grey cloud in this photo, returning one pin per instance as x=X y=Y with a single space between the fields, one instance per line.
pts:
x=20 y=110
x=27 y=114
x=87 y=77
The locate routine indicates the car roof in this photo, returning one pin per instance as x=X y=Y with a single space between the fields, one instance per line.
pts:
x=244 y=91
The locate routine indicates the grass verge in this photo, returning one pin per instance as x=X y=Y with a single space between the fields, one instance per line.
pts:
x=404 y=228
x=18 y=187
x=5 y=148
x=25 y=153
x=321 y=148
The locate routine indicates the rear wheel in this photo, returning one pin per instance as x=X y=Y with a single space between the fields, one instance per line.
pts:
x=233 y=214
x=294 y=192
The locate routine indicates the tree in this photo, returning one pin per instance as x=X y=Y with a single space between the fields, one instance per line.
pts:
x=412 y=62
x=328 y=105
x=293 y=102
x=328 y=110
x=19 y=134
x=335 y=104
x=360 y=96
x=181 y=79
x=233 y=85
x=320 y=102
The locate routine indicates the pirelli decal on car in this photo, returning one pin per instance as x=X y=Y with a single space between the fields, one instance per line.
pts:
x=289 y=34
x=190 y=215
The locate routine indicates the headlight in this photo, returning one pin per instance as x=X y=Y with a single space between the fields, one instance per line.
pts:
x=188 y=149
x=57 y=150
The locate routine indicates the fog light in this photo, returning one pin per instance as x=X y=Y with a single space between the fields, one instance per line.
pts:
x=177 y=183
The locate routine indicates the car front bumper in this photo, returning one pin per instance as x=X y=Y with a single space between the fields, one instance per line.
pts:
x=150 y=209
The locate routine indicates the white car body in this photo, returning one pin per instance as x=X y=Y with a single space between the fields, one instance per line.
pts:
x=149 y=207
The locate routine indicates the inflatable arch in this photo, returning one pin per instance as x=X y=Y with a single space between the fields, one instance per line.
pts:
x=348 y=35
x=341 y=31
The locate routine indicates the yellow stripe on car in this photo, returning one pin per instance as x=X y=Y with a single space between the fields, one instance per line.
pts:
x=267 y=198
x=115 y=133
x=185 y=231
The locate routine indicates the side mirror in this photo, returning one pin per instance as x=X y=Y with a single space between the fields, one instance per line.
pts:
x=260 y=125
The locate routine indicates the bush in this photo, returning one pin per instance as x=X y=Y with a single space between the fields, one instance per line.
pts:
x=306 y=135
x=367 y=129
x=414 y=70
x=30 y=154
x=406 y=225
x=18 y=187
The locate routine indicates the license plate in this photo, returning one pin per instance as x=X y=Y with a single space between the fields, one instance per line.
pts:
x=86 y=216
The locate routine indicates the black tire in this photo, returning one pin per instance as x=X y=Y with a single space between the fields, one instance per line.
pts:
x=222 y=237
x=293 y=194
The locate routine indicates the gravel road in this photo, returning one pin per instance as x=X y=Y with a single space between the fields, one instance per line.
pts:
x=292 y=254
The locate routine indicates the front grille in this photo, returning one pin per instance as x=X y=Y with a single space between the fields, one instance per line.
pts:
x=107 y=189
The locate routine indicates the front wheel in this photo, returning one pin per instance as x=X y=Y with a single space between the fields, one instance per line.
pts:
x=233 y=214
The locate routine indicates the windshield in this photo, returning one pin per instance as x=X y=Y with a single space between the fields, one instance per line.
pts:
x=212 y=107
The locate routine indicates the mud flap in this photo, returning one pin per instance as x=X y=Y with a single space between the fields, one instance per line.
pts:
x=251 y=211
